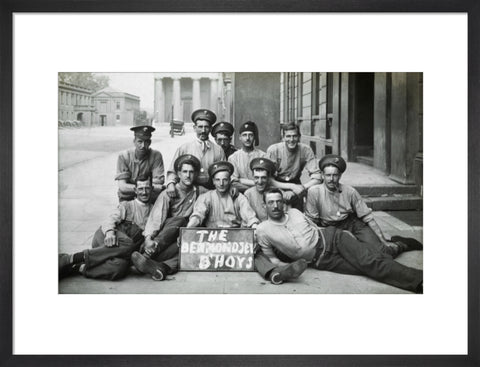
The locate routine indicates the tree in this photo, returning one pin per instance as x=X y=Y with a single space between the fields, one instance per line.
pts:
x=85 y=80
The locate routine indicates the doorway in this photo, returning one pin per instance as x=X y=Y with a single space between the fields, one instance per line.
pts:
x=363 y=118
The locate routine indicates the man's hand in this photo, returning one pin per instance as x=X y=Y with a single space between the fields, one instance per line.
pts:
x=298 y=189
x=171 y=192
x=233 y=192
x=288 y=195
x=110 y=239
x=150 y=246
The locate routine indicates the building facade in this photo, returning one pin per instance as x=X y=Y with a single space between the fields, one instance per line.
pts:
x=115 y=108
x=370 y=118
x=75 y=104
x=255 y=97
x=177 y=95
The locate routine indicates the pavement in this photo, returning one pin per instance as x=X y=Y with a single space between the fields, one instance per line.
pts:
x=87 y=195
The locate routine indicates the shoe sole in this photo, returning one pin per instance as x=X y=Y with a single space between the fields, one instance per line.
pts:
x=64 y=266
x=146 y=266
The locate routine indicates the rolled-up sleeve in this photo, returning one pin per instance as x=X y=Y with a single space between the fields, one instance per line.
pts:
x=123 y=170
x=311 y=164
x=158 y=169
x=201 y=207
x=361 y=209
x=264 y=243
x=116 y=217
x=234 y=162
x=171 y=174
x=158 y=215
x=311 y=209
x=248 y=215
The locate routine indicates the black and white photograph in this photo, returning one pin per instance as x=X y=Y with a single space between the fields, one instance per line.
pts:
x=240 y=182
x=217 y=187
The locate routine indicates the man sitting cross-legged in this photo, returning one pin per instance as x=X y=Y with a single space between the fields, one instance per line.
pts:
x=115 y=240
x=286 y=237
x=159 y=256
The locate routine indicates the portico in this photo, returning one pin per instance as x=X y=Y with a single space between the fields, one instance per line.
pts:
x=176 y=95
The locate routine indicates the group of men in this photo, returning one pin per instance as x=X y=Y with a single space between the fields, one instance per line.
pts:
x=321 y=223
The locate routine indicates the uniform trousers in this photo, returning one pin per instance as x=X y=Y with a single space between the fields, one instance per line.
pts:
x=342 y=252
x=263 y=265
x=167 y=249
x=111 y=263
x=358 y=228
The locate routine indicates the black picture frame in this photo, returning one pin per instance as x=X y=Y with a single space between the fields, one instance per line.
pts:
x=471 y=7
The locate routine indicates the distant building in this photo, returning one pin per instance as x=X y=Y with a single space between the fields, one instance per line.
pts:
x=114 y=107
x=177 y=95
x=75 y=104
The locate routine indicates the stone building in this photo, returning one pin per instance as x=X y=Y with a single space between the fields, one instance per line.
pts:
x=75 y=104
x=371 y=118
x=176 y=95
x=114 y=107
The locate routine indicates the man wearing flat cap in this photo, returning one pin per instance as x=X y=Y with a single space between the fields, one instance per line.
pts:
x=242 y=177
x=334 y=204
x=222 y=132
x=205 y=150
x=140 y=161
x=291 y=157
x=159 y=255
x=219 y=208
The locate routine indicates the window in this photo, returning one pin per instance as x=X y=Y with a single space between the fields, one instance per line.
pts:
x=118 y=117
x=118 y=105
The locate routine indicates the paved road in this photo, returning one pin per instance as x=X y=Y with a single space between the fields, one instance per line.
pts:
x=87 y=194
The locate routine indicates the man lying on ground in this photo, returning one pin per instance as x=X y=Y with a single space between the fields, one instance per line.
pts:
x=287 y=237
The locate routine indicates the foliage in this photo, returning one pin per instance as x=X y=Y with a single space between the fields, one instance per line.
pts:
x=85 y=80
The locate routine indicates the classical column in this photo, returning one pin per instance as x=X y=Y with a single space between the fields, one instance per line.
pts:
x=159 y=101
x=177 y=113
x=196 y=94
x=213 y=95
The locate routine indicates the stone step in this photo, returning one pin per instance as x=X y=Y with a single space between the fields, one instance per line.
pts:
x=368 y=160
x=395 y=202
x=384 y=189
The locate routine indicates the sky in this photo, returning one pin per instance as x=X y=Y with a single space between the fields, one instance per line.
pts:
x=139 y=84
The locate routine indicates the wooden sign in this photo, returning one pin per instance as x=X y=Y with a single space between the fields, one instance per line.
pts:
x=216 y=249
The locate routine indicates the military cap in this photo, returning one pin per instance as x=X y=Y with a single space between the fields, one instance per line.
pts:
x=263 y=163
x=218 y=167
x=222 y=127
x=250 y=126
x=204 y=114
x=189 y=159
x=143 y=131
x=333 y=160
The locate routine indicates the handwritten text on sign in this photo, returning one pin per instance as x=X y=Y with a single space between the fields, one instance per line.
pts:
x=216 y=249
